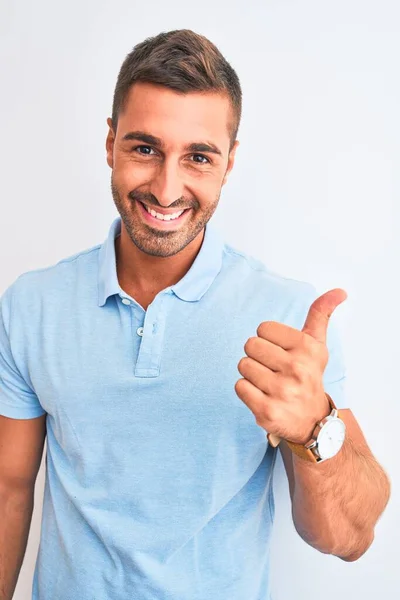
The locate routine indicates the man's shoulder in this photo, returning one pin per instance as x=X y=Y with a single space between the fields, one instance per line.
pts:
x=33 y=283
x=258 y=278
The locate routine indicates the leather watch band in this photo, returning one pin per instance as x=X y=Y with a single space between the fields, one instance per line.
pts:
x=300 y=449
x=302 y=452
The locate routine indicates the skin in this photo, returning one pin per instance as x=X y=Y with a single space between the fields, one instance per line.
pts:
x=166 y=178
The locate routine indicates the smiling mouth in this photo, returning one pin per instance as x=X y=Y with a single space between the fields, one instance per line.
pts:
x=177 y=216
x=149 y=208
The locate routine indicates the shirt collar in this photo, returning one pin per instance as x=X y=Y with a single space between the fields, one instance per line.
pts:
x=190 y=288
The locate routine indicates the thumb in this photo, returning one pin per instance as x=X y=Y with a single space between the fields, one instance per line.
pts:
x=316 y=323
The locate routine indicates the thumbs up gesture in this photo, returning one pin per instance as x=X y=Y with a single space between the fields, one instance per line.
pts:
x=283 y=372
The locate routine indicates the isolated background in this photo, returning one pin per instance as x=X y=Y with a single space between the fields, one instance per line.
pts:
x=314 y=192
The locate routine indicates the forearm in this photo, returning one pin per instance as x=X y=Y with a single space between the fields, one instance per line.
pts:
x=337 y=503
x=15 y=519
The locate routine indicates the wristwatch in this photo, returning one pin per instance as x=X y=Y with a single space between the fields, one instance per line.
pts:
x=326 y=441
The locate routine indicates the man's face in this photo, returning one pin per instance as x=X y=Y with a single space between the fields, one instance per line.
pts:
x=165 y=173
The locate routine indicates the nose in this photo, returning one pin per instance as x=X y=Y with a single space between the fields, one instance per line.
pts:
x=167 y=185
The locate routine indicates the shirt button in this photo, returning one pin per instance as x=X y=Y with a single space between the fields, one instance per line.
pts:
x=139 y=331
x=125 y=301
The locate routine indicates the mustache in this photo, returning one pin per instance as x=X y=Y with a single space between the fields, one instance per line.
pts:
x=151 y=200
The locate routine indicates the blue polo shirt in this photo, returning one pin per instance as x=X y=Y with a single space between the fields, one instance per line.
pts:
x=158 y=478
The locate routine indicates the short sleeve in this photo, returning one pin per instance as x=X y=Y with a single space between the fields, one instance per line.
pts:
x=17 y=399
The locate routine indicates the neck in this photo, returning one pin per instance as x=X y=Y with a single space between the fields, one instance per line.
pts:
x=144 y=273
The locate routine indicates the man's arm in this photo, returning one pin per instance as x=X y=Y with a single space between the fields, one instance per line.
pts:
x=21 y=449
x=337 y=503
x=15 y=521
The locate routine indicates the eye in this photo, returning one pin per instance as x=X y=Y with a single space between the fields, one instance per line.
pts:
x=201 y=156
x=147 y=148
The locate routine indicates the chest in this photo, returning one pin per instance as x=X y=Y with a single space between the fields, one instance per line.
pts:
x=141 y=401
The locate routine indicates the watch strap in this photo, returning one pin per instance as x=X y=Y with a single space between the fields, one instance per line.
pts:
x=302 y=452
x=299 y=449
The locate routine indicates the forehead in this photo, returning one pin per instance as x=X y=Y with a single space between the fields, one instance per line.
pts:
x=174 y=116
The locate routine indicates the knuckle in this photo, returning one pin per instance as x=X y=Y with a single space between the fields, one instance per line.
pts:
x=286 y=389
x=308 y=344
x=264 y=327
x=242 y=363
x=280 y=388
x=267 y=417
x=298 y=370
x=325 y=354
x=240 y=386
x=251 y=344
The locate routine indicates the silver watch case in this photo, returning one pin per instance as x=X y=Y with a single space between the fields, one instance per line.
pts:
x=323 y=445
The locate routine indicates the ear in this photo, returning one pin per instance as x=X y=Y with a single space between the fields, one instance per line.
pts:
x=231 y=161
x=110 y=144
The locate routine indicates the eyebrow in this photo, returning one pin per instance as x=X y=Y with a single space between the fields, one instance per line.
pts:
x=147 y=138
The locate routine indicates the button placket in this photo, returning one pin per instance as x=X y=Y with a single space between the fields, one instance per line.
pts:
x=151 y=346
x=128 y=302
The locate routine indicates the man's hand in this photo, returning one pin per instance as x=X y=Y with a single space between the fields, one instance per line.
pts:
x=283 y=372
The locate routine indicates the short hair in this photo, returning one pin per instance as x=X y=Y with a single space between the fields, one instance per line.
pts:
x=183 y=61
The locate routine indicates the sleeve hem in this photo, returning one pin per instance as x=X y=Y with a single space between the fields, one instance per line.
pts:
x=16 y=412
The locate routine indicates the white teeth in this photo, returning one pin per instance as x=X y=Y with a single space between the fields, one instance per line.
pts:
x=163 y=217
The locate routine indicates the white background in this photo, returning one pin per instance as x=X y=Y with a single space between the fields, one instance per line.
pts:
x=314 y=193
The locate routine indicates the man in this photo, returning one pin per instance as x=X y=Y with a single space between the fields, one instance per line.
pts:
x=128 y=354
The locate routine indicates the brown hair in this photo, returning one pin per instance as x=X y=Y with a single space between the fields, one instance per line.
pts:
x=181 y=60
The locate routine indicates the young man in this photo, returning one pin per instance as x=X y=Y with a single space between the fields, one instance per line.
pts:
x=129 y=355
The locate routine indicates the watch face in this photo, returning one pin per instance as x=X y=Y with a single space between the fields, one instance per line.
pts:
x=331 y=438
